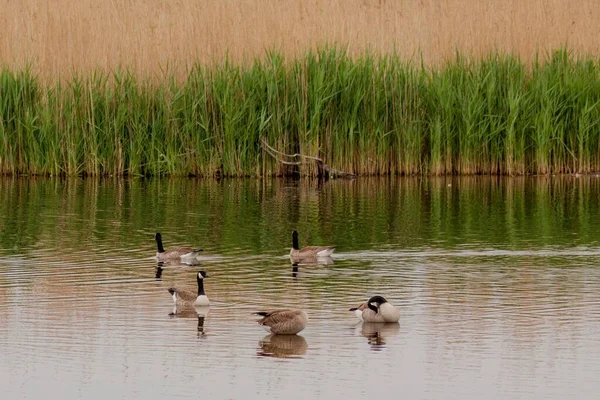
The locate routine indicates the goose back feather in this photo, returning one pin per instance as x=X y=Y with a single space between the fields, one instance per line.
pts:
x=283 y=322
x=184 y=254
x=309 y=251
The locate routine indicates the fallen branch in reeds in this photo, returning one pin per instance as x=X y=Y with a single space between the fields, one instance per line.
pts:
x=325 y=171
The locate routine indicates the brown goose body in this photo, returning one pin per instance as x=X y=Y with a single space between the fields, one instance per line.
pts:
x=187 y=255
x=283 y=322
x=308 y=252
x=182 y=298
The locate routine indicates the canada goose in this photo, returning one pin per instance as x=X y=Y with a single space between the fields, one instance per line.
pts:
x=188 y=298
x=186 y=255
x=283 y=322
x=282 y=346
x=308 y=252
x=377 y=309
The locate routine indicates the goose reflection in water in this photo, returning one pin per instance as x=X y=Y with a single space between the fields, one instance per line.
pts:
x=177 y=263
x=308 y=262
x=377 y=333
x=311 y=261
x=159 y=271
x=192 y=312
x=282 y=346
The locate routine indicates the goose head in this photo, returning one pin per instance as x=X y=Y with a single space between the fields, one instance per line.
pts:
x=202 y=275
x=375 y=302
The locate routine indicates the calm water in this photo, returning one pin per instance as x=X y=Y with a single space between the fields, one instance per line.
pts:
x=497 y=281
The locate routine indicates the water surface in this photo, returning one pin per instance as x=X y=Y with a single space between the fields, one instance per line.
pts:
x=497 y=281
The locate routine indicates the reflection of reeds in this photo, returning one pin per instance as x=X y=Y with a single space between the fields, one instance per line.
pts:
x=372 y=115
x=258 y=215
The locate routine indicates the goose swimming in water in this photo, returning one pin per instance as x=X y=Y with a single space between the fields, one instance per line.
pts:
x=189 y=298
x=377 y=309
x=186 y=255
x=308 y=252
x=283 y=322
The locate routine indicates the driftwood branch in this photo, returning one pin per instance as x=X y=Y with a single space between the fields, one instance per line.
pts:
x=324 y=169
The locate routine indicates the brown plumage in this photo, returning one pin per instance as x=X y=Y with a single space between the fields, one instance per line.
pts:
x=184 y=297
x=308 y=252
x=186 y=255
x=189 y=298
x=283 y=322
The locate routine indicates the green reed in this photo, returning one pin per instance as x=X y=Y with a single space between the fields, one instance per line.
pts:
x=372 y=114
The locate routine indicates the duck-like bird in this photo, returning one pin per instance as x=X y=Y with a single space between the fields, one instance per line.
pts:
x=189 y=298
x=377 y=309
x=283 y=322
x=308 y=252
x=186 y=255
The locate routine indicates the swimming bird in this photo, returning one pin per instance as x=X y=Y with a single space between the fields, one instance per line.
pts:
x=377 y=309
x=308 y=252
x=186 y=255
x=283 y=322
x=189 y=298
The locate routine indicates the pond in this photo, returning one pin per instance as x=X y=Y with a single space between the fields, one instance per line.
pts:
x=496 y=279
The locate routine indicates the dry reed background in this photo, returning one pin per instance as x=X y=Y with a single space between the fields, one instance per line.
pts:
x=59 y=37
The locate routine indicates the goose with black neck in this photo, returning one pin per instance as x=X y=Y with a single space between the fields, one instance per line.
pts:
x=308 y=252
x=188 y=298
x=185 y=255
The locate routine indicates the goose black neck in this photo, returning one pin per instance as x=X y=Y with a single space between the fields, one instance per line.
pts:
x=159 y=243
x=201 y=287
x=295 y=245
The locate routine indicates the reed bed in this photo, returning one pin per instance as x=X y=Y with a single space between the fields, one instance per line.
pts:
x=375 y=114
x=63 y=37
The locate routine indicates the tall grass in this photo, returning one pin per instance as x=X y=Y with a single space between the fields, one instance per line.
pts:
x=372 y=114
x=62 y=37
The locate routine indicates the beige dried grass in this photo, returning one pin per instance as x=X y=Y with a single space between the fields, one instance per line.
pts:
x=60 y=37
